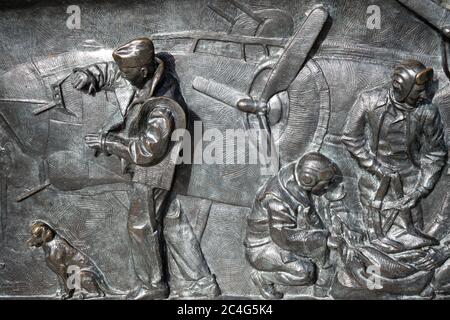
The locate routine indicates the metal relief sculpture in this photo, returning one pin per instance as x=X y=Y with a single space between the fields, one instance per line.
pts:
x=291 y=150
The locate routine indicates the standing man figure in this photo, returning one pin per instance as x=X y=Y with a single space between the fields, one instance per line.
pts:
x=140 y=135
x=398 y=138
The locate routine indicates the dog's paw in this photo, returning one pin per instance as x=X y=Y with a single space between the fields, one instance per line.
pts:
x=66 y=296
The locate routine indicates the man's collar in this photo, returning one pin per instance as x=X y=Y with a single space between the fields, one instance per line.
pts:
x=391 y=109
x=399 y=115
x=149 y=88
x=401 y=107
x=157 y=76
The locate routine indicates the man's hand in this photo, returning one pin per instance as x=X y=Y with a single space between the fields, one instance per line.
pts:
x=94 y=141
x=407 y=202
x=82 y=82
x=381 y=172
x=339 y=244
x=354 y=236
x=433 y=259
x=335 y=242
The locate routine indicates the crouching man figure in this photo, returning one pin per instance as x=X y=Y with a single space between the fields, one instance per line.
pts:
x=286 y=240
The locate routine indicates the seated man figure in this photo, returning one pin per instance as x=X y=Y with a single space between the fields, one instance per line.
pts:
x=286 y=239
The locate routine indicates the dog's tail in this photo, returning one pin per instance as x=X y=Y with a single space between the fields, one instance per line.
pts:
x=103 y=284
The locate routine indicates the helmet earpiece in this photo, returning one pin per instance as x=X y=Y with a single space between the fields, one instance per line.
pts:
x=406 y=75
x=308 y=179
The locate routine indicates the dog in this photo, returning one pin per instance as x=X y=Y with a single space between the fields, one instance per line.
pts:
x=77 y=274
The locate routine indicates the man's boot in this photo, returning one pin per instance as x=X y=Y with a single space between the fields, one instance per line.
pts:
x=203 y=288
x=153 y=292
x=440 y=226
x=265 y=287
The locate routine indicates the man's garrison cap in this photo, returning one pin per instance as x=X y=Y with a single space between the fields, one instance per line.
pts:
x=136 y=53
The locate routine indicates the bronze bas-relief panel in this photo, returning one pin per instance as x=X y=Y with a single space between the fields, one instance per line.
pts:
x=118 y=180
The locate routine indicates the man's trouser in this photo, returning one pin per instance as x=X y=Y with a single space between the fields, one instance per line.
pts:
x=280 y=266
x=394 y=189
x=144 y=229
x=185 y=258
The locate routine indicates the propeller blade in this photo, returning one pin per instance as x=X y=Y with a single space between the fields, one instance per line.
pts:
x=218 y=91
x=47 y=107
x=33 y=191
x=436 y=15
x=295 y=54
x=247 y=11
x=268 y=153
x=222 y=13
x=263 y=124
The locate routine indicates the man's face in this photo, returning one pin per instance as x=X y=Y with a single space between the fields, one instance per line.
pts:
x=417 y=94
x=321 y=187
x=135 y=75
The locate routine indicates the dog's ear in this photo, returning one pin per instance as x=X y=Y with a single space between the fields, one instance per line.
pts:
x=47 y=234
x=36 y=228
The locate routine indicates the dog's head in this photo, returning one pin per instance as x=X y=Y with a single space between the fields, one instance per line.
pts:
x=41 y=233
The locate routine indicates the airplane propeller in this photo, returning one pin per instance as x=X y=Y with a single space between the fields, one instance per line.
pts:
x=281 y=76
